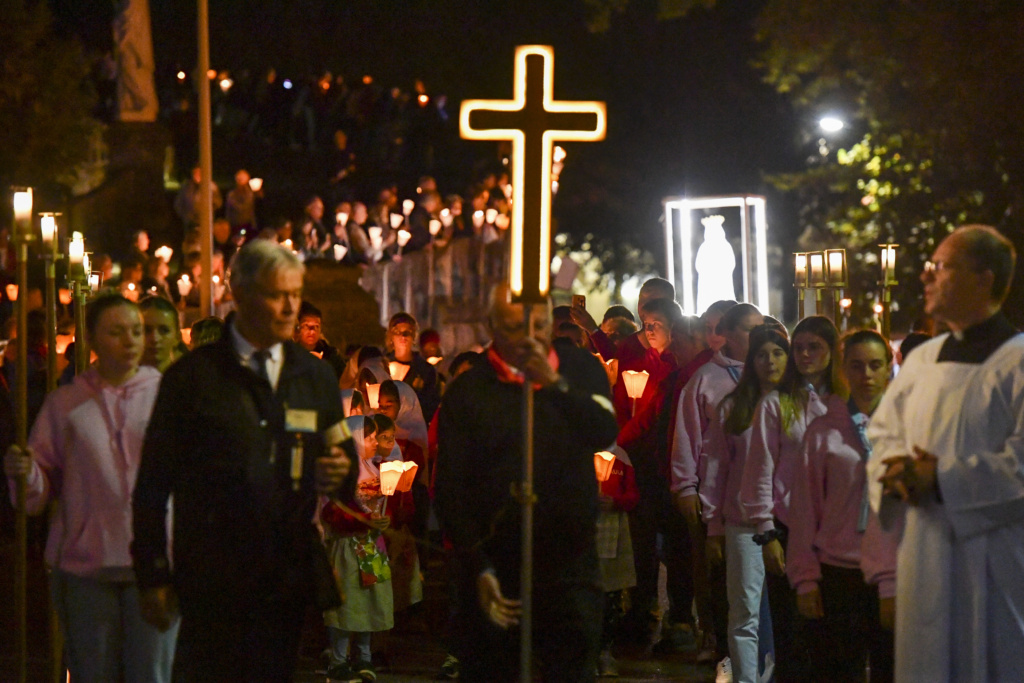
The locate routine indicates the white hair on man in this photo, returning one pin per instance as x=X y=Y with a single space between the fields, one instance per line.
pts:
x=256 y=260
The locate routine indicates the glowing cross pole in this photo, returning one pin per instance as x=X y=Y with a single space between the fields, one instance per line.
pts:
x=533 y=121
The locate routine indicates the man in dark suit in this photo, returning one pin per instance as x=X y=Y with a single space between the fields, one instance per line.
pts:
x=480 y=456
x=244 y=433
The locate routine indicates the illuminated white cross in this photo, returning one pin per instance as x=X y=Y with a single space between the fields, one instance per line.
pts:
x=533 y=121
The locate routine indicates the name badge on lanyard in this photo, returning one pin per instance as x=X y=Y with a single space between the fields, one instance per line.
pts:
x=298 y=422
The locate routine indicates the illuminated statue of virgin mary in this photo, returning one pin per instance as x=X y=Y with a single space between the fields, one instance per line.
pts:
x=715 y=264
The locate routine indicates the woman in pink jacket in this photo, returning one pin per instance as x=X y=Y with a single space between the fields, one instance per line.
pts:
x=829 y=518
x=84 y=452
x=730 y=536
x=777 y=432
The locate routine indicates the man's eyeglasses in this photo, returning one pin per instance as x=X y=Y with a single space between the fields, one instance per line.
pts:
x=309 y=327
x=935 y=267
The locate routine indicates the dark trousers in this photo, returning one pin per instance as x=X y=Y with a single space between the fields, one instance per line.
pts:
x=655 y=514
x=257 y=644
x=566 y=635
x=850 y=632
x=790 y=631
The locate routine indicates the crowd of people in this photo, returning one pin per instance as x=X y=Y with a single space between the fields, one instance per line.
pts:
x=414 y=252
x=817 y=518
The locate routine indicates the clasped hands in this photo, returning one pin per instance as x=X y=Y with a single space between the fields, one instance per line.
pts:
x=911 y=479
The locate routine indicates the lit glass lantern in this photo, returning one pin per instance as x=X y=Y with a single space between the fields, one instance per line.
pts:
x=835 y=264
x=48 y=229
x=800 y=270
x=816 y=263
x=889 y=264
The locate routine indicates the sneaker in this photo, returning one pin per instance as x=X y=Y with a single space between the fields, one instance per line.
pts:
x=365 y=672
x=723 y=672
x=607 y=667
x=449 y=669
x=342 y=673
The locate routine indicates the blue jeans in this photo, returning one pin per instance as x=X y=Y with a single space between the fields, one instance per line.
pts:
x=105 y=638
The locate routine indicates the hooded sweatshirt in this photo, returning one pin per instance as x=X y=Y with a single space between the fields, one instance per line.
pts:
x=697 y=405
x=87 y=445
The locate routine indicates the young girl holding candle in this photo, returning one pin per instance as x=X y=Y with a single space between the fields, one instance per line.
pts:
x=353 y=534
x=729 y=533
x=618 y=497
x=829 y=515
x=84 y=452
x=777 y=431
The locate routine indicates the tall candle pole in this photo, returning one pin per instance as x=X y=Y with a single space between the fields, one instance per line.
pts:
x=79 y=277
x=22 y=236
x=48 y=229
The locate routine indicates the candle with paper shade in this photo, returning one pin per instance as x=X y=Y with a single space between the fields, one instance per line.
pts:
x=184 y=285
x=478 y=219
x=255 y=184
x=403 y=238
x=12 y=292
x=603 y=464
x=396 y=220
x=342 y=218
x=76 y=249
x=287 y=244
x=64 y=296
x=434 y=360
x=502 y=221
x=434 y=227
x=48 y=229
x=390 y=475
x=446 y=217
x=490 y=215
x=339 y=251
x=408 y=476
x=398 y=370
x=636 y=382
x=164 y=253
x=373 y=396
x=407 y=206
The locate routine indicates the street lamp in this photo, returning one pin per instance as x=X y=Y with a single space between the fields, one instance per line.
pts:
x=831 y=124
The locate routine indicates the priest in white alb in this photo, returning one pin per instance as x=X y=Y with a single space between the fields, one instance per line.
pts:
x=948 y=454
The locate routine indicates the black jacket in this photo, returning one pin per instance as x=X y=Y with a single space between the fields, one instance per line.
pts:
x=480 y=455
x=218 y=443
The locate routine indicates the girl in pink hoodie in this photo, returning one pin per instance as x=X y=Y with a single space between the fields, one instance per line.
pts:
x=84 y=453
x=777 y=432
x=829 y=518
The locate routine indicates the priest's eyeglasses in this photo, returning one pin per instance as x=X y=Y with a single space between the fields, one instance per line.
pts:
x=935 y=267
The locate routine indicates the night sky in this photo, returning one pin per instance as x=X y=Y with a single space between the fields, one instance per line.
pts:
x=687 y=110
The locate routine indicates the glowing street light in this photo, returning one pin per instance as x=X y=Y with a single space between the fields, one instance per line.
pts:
x=831 y=124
